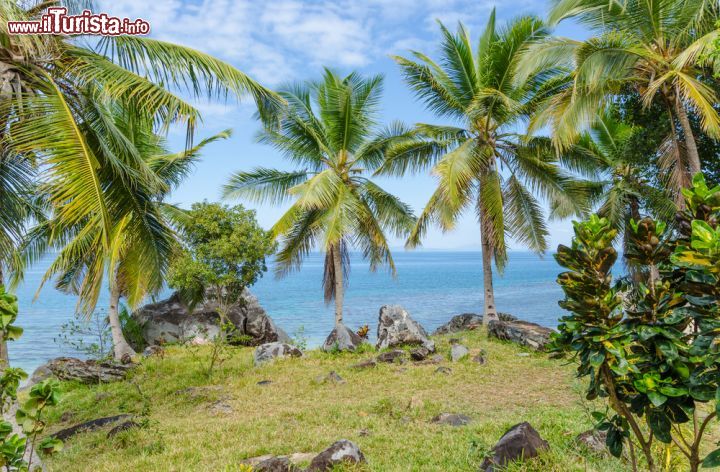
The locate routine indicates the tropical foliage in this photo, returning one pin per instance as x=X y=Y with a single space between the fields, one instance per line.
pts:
x=483 y=161
x=330 y=131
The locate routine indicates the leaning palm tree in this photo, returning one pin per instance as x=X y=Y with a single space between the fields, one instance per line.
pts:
x=329 y=130
x=656 y=48
x=135 y=260
x=480 y=159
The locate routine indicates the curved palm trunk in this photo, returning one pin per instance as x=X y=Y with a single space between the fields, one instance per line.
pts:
x=490 y=313
x=339 y=284
x=690 y=144
x=120 y=345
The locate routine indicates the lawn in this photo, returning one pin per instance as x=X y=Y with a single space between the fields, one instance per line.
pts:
x=192 y=423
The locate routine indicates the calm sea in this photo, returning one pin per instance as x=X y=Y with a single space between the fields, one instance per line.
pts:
x=432 y=286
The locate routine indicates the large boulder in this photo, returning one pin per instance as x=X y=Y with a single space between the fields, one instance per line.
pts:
x=271 y=351
x=524 y=333
x=170 y=321
x=341 y=452
x=397 y=328
x=342 y=338
x=520 y=442
x=468 y=322
x=89 y=372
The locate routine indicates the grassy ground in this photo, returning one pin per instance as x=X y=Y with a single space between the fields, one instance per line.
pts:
x=386 y=411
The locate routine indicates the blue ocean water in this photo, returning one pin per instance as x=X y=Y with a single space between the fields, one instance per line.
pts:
x=432 y=286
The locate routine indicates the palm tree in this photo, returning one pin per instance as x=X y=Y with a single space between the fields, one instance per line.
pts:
x=620 y=192
x=329 y=131
x=481 y=160
x=658 y=49
x=142 y=241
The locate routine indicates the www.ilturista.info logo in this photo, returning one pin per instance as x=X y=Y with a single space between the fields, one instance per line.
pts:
x=57 y=21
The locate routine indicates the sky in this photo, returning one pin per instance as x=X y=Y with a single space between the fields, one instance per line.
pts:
x=277 y=42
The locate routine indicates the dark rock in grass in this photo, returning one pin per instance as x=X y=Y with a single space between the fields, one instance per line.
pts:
x=276 y=464
x=169 y=321
x=342 y=338
x=366 y=364
x=271 y=351
x=521 y=442
x=124 y=426
x=419 y=353
x=443 y=370
x=331 y=377
x=67 y=433
x=89 y=372
x=524 y=333
x=397 y=328
x=458 y=352
x=593 y=440
x=451 y=419
x=342 y=451
x=396 y=355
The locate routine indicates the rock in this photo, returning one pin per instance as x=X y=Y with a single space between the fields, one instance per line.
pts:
x=331 y=377
x=451 y=419
x=521 y=442
x=468 y=322
x=275 y=464
x=342 y=338
x=89 y=372
x=419 y=353
x=396 y=355
x=153 y=350
x=443 y=370
x=521 y=332
x=367 y=364
x=124 y=426
x=169 y=321
x=342 y=451
x=593 y=440
x=271 y=351
x=458 y=352
x=397 y=328
x=67 y=433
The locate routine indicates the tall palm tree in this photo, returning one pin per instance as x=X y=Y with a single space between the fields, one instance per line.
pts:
x=330 y=131
x=480 y=159
x=657 y=48
x=135 y=261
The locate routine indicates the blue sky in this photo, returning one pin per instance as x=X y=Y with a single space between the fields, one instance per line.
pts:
x=280 y=41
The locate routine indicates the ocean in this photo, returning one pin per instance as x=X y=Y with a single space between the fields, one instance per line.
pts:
x=432 y=285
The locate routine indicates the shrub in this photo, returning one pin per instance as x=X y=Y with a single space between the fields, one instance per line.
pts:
x=650 y=346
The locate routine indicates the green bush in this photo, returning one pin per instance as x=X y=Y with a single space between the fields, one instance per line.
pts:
x=649 y=346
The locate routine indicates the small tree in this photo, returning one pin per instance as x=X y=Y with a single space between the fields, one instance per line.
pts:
x=652 y=350
x=224 y=252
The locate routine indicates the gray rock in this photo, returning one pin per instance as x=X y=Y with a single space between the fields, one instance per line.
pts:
x=342 y=338
x=397 y=328
x=524 y=333
x=124 y=426
x=593 y=440
x=468 y=322
x=342 y=451
x=458 y=352
x=396 y=355
x=270 y=351
x=170 y=321
x=89 y=372
x=451 y=419
x=521 y=442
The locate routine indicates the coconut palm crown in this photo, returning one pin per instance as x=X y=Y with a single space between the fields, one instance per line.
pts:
x=330 y=131
x=480 y=159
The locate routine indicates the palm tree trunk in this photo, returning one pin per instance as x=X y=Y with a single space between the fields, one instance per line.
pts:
x=120 y=345
x=339 y=283
x=490 y=313
x=690 y=145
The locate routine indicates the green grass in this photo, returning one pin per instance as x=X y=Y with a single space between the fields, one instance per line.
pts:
x=296 y=413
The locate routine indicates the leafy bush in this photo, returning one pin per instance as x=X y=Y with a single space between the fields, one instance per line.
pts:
x=650 y=347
